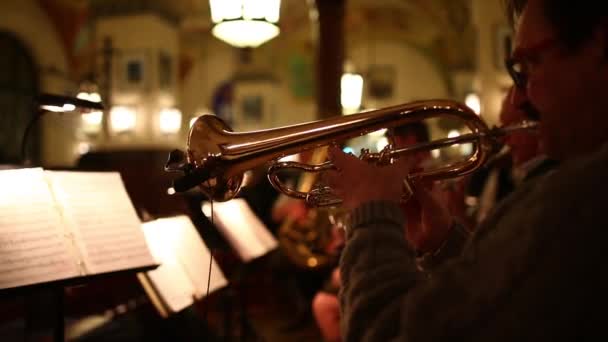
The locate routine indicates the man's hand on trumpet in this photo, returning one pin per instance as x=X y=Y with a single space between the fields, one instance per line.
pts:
x=356 y=182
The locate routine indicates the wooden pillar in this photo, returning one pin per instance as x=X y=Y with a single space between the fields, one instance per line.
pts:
x=329 y=56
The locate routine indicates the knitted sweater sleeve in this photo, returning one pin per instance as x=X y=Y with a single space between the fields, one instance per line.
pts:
x=379 y=272
x=377 y=269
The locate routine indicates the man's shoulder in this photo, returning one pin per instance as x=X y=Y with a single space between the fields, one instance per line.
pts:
x=584 y=173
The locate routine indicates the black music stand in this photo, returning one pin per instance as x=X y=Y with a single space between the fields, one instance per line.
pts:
x=42 y=295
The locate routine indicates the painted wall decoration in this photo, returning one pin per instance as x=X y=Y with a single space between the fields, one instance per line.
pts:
x=301 y=76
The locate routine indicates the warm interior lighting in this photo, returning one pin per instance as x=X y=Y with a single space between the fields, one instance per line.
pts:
x=91 y=122
x=67 y=107
x=453 y=133
x=381 y=144
x=122 y=119
x=93 y=97
x=170 y=120
x=245 y=23
x=472 y=101
x=351 y=92
x=192 y=121
x=379 y=133
x=83 y=148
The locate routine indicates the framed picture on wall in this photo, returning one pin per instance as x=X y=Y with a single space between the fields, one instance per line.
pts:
x=252 y=108
x=381 y=81
x=301 y=75
x=502 y=45
x=132 y=71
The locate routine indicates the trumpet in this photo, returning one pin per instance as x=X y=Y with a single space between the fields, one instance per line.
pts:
x=217 y=158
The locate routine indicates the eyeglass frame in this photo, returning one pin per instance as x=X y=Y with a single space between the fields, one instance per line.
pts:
x=520 y=78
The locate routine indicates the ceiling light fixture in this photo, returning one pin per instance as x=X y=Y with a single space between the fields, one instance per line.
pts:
x=245 y=23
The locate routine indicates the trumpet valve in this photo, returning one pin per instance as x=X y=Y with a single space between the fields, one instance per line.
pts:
x=384 y=157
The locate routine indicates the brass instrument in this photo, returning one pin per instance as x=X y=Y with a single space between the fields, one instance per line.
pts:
x=217 y=159
x=305 y=243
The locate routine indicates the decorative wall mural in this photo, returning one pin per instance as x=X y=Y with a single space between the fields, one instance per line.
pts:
x=301 y=76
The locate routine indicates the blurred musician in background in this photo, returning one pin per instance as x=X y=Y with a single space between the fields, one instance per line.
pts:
x=535 y=269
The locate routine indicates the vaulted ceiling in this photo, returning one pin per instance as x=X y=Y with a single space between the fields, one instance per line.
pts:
x=440 y=26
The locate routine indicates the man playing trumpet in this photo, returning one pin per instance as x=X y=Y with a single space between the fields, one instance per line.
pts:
x=535 y=269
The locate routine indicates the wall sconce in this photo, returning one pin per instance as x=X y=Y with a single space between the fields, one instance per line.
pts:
x=122 y=119
x=351 y=92
x=91 y=122
x=170 y=120
x=472 y=101
x=245 y=23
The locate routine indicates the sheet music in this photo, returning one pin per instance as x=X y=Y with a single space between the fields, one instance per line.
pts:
x=108 y=230
x=194 y=255
x=242 y=228
x=169 y=279
x=33 y=243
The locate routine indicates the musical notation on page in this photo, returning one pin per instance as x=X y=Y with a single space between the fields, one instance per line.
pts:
x=33 y=244
x=108 y=230
x=169 y=279
x=194 y=255
x=184 y=259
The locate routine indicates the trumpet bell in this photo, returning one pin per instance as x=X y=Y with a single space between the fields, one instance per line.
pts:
x=205 y=141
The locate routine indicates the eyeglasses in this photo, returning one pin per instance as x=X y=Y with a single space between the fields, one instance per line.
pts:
x=517 y=73
x=524 y=60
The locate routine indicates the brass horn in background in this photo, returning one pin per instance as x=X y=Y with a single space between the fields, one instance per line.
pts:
x=217 y=157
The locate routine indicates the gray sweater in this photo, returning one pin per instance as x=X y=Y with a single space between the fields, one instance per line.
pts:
x=535 y=270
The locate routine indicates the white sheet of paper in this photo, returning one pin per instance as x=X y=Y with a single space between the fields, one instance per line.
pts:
x=107 y=228
x=169 y=279
x=242 y=228
x=194 y=255
x=34 y=245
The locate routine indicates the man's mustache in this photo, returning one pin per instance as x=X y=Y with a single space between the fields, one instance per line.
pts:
x=530 y=111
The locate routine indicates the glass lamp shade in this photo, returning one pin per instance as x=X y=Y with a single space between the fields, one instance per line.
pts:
x=245 y=23
x=472 y=101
